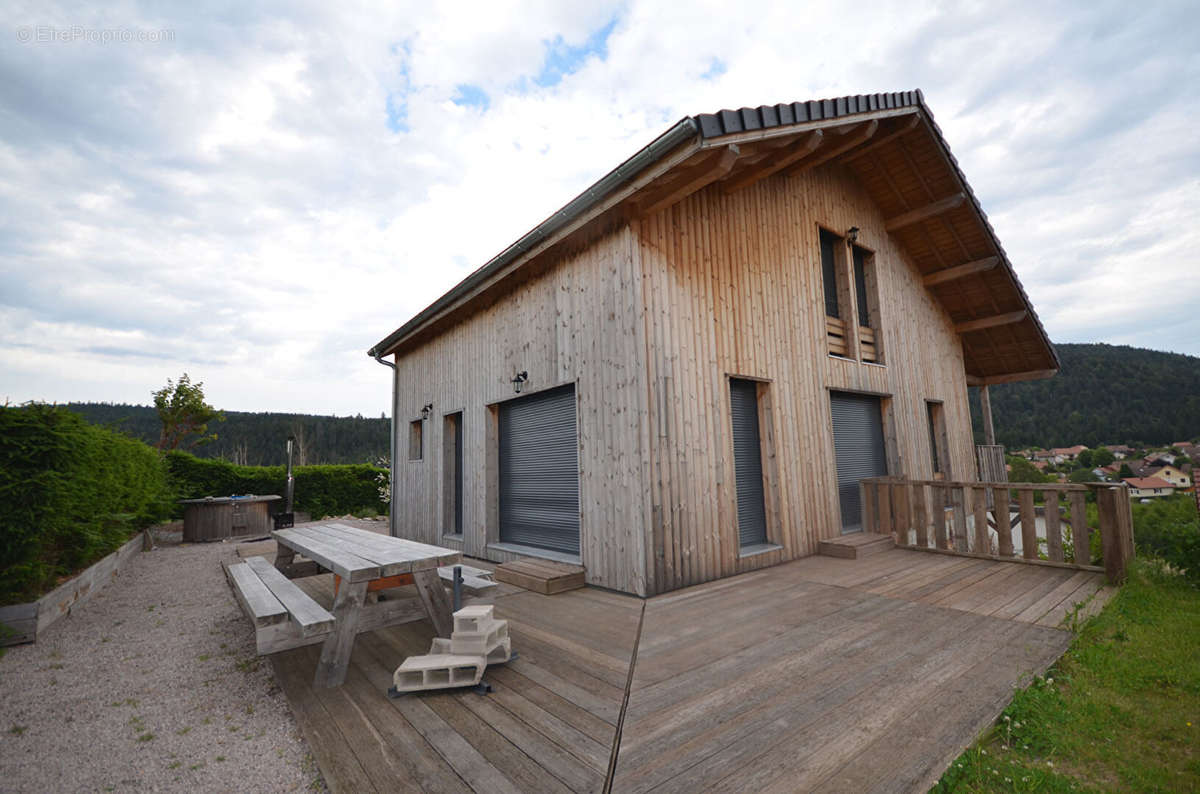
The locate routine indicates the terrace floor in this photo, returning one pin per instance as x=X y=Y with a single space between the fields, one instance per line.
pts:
x=822 y=674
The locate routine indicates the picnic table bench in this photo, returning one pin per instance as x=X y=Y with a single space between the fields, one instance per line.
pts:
x=285 y=616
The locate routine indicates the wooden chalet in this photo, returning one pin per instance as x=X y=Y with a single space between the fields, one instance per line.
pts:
x=685 y=372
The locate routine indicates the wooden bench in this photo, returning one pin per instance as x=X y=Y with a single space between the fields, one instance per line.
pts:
x=284 y=616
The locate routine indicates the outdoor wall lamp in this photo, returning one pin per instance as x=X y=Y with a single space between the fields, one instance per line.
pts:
x=425 y=411
x=852 y=235
x=519 y=381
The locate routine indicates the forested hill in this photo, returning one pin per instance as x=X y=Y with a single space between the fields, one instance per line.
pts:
x=260 y=438
x=1104 y=394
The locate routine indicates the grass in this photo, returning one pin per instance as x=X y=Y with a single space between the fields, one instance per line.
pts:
x=1119 y=712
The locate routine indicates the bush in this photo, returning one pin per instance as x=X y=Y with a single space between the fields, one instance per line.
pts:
x=320 y=490
x=70 y=493
x=1169 y=528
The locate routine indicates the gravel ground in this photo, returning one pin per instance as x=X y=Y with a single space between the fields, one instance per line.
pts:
x=153 y=685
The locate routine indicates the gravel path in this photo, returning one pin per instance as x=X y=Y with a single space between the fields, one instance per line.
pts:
x=153 y=685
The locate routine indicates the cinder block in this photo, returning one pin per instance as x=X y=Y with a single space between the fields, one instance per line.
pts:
x=501 y=653
x=479 y=643
x=438 y=671
x=475 y=618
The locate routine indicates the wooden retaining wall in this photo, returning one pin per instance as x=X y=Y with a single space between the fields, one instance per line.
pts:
x=33 y=618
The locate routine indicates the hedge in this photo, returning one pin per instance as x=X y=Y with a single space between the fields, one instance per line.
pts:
x=320 y=490
x=70 y=493
x=1169 y=528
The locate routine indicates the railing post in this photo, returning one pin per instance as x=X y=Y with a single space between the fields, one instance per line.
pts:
x=1029 y=542
x=983 y=543
x=1054 y=545
x=1079 y=528
x=1003 y=521
x=938 y=506
x=919 y=516
x=885 y=508
x=1116 y=530
x=958 y=496
x=867 y=489
x=900 y=512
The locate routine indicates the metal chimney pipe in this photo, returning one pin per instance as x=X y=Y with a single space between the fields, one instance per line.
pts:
x=291 y=483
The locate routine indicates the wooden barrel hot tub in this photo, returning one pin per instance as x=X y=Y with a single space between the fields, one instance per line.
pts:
x=221 y=517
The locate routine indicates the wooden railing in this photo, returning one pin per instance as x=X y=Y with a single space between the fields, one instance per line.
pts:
x=962 y=518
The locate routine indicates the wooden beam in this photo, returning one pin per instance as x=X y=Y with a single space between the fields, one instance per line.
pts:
x=985 y=406
x=825 y=155
x=774 y=164
x=961 y=271
x=904 y=128
x=706 y=174
x=990 y=322
x=1011 y=377
x=925 y=213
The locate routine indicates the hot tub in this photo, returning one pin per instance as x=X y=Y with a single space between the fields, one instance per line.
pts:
x=221 y=517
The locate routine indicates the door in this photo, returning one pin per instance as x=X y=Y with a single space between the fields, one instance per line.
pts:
x=858 y=446
x=747 y=463
x=539 y=471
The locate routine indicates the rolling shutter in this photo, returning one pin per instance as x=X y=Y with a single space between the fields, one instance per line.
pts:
x=747 y=463
x=858 y=445
x=539 y=471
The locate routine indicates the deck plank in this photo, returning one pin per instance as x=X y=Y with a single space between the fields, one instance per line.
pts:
x=792 y=678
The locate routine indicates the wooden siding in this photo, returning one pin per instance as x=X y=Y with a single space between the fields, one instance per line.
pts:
x=580 y=322
x=732 y=287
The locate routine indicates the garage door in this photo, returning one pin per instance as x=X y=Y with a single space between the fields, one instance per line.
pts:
x=539 y=471
x=858 y=444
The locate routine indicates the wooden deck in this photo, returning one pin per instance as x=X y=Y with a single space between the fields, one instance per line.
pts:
x=823 y=674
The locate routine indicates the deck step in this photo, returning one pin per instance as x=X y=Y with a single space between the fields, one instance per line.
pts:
x=540 y=576
x=856 y=546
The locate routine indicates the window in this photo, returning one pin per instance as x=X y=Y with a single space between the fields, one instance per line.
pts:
x=866 y=298
x=860 y=286
x=452 y=474
x=937 y=437
x=747 y=463
x=415 y=444
x=829 y=246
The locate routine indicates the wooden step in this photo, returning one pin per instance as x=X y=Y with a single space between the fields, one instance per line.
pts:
x=540 y=576
x=855 y=546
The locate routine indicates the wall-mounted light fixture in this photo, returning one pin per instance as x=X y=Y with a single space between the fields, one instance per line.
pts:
x=426 y=410
x=519 y=381
x=852 y=235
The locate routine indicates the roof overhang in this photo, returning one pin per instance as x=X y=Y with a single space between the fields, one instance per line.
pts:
x=890 y=143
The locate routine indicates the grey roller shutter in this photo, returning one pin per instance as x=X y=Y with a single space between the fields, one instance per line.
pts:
x=539 y=471
x=858 y=445
x=747 y=463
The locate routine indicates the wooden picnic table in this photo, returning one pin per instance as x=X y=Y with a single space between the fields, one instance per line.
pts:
x=361 y=561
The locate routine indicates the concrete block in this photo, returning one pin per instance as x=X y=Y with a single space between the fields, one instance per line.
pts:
x=438 y=671
x=475 y=618
x=479 y=643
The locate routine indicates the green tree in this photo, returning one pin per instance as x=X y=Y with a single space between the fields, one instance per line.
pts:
x=1083 y=475
x=1102 y=456
x=184 y=414
x=1085 y=458
x=1125 y=471
x=1024 y=471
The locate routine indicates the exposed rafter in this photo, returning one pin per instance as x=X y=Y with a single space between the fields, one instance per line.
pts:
x=861 y=135
x=990 y=322
x=904 y=128
x=706 y=172
x=961 y=271
x=925 y=213
x=774 y=163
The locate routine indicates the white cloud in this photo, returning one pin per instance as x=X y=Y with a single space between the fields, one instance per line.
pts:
x=233 y=203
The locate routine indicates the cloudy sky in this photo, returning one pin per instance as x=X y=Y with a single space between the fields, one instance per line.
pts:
x=257 y=193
